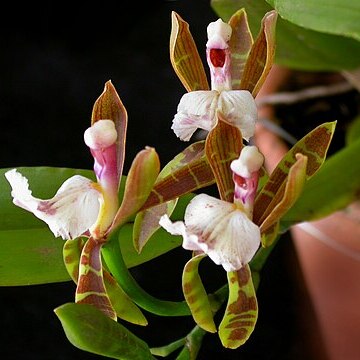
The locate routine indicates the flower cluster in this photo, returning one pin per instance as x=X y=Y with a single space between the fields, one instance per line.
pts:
x=230 y=229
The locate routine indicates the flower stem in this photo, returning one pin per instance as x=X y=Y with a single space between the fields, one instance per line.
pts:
x=112 y=255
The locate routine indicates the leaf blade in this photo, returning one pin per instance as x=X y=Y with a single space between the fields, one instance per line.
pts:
x=328 y=17
x=89 y=330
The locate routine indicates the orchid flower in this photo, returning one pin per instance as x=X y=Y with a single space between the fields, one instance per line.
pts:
x=224 y=230
x=198 y=109
x=80 y=206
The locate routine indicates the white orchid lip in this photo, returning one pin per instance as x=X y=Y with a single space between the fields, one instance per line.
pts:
x=70 y=213
x=249 y=161
x=219 y=34
x=198 y=110
x=101 y=134
x=219 y=229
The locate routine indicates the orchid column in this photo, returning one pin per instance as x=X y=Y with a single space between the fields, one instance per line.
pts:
x=101 y=139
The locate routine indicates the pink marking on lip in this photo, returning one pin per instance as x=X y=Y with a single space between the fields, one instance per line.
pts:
x=46 y=207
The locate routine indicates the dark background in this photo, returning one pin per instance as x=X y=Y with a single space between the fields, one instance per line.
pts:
x=54 y=62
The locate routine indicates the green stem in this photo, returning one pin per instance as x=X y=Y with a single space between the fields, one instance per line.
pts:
x=166 y=350
x=112 y=255
x=259 y=260
x=193 y=343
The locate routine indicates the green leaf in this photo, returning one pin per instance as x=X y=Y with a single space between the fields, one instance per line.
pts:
x=31 y=256
x=340 y=17
x=353 y=131
x=334 y=187
x=241 y=310
x=297 y=47
x=89 y=330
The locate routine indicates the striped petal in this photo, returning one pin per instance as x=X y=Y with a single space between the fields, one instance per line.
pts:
x=69 y=214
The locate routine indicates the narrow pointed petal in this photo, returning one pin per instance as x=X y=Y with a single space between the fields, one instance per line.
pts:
x=139 y=183
x=193 y=173
x=286 y=198
x=241 y=311
x=223 y=145
x=147 y=221
x=240 y=45
x=71 y=212
x=314 y=146
x=261 y=57
x=196 y=110
x=109 y=106
x=196 y=296
x=184 y=56
x=90 y=287
x=239 y=109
